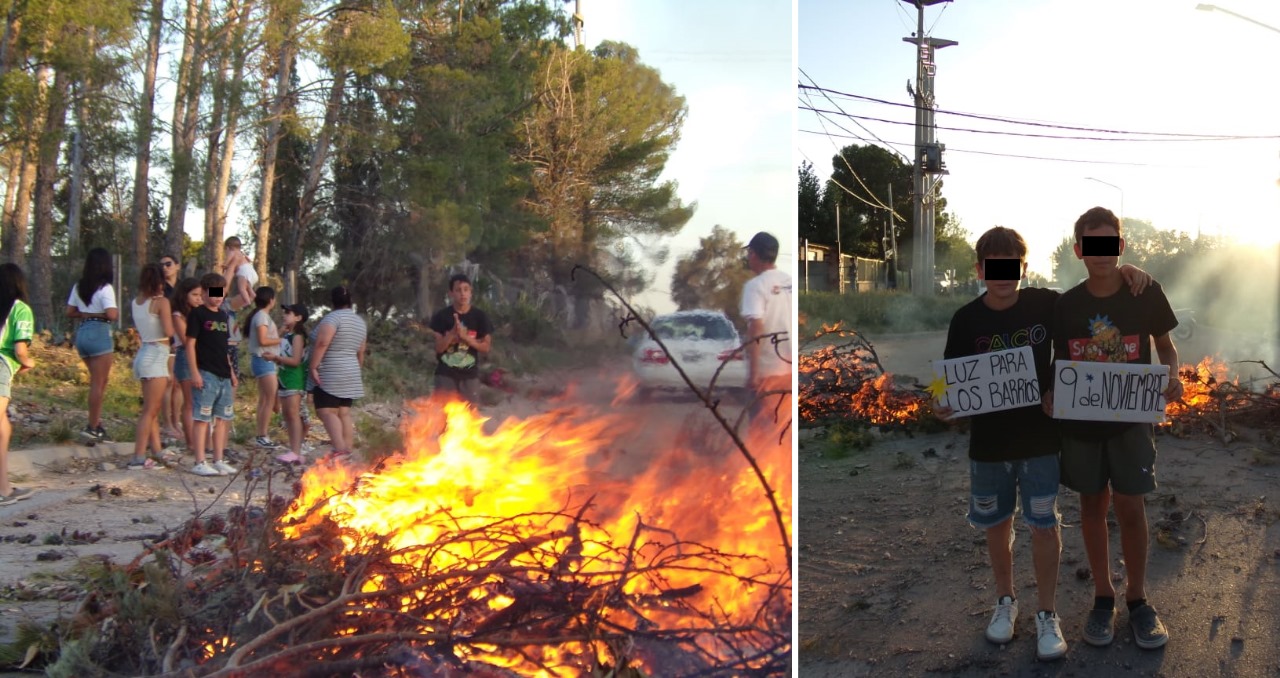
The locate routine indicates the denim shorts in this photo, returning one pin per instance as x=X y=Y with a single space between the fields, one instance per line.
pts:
x=261 y=367
x=994 y=488
x=6 y=378
x=181 y=370
x=151 y=362
x=214 y=400
x=94 y=339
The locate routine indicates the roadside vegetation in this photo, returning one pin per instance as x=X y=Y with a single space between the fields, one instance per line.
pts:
x=878 y=311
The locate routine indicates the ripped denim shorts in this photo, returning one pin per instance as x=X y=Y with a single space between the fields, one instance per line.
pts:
x=995 y=487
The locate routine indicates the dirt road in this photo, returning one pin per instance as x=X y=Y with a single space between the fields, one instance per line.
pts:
x=894 y=582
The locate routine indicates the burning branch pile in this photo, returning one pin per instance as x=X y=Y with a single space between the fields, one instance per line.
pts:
x=1210 y=395
x=845 y=380
x=473 y=553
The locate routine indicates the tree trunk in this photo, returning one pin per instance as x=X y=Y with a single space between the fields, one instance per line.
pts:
x=307 y=203
x=46 y=176
x=186 y=108
x=16 y=230
x=271 y=147
x=228 y=107
x=76 y=190
x=12 y=188
x=139 y=212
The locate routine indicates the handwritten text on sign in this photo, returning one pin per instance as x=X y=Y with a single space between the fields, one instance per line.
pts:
x=1109 y=391
x=989 y=382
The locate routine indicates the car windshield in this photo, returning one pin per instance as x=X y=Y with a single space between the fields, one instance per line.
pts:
x=711 y=327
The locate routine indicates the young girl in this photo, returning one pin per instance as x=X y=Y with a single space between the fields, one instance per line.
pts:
x=264 y=342
x=151 y=316
x=15 y=339
x=187 y=295
x=93 y=301
x=293 y=377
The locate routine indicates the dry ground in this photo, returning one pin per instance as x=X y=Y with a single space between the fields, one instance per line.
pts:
x=894 y=582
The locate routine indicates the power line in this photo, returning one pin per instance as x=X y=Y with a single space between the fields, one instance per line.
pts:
x=1014 y=121
x=1004 y=155
x=833 y=103
x=1052 y=136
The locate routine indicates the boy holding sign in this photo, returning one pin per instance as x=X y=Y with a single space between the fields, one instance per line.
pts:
x=1014 y=451
x=1101 y=321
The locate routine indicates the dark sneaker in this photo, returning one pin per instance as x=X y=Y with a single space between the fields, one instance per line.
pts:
x=101 y=433
x=89 y=435
x=15 y=495
x=1099 y=627
x=1148 y=631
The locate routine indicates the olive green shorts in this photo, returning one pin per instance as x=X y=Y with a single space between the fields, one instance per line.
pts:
x=1126 y=462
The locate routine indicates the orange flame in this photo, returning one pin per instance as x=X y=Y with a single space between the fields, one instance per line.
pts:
x=460 y=472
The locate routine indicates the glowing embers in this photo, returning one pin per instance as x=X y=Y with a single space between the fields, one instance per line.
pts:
x=844 y=380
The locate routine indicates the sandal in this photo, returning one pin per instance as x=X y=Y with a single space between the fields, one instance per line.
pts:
x=142 y=464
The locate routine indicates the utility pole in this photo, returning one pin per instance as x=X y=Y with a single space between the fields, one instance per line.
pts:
x=577 y=23
x=928 y=157
x=839 y=253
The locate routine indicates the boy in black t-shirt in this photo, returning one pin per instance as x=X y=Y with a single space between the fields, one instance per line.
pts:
x=463 y=333
x=213 y=381
x=1014 y=452
x=1100 y=320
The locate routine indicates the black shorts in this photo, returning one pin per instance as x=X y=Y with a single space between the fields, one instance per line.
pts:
x=1125 y=462
x=323 y=400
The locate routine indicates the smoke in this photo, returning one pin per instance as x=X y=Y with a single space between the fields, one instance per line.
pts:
x=1234 y=292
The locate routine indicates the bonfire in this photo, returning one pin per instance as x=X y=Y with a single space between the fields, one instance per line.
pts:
x=484 y=548
x=1211 y=396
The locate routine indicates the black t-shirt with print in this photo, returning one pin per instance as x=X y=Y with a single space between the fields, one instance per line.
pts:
x=1115 y=329
x=460 y=360
x=1019 y=433
x=210 y=330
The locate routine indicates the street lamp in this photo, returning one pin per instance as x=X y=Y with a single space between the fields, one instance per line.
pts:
x=1115 y=187
x=1213 y=8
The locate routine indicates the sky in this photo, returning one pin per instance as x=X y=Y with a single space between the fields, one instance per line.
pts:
x=733 y=63
x=1135 y=66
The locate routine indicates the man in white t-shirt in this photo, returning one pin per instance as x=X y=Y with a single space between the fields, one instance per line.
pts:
x=766 y=306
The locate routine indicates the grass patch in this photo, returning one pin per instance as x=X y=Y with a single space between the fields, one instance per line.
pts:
x=844 y=439
x=878 y=311
x=379 y=438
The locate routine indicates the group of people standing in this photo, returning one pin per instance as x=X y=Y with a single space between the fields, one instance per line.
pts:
x=189 y=358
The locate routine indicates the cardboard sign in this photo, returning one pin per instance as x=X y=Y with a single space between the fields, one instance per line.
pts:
x=1109 y=391
x=987 y=382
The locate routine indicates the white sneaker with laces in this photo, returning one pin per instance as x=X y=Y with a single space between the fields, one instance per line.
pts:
x=204 y=468
x=225 y=469
x=1000 y=630
x=1049 y=642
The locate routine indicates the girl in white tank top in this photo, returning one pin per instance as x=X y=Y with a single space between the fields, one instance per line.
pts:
x=151 y=315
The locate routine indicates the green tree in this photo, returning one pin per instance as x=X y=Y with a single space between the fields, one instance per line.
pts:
x=813 y=220
x=712 y=276
x=858 y=184
x=597 y=139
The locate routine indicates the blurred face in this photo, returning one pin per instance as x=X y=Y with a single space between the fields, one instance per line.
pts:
x=213 y=297
x=170 y=268
x=1001 y=289
x=195 y=297
x=1099 y=266
x=460 y=293
x=290 y=318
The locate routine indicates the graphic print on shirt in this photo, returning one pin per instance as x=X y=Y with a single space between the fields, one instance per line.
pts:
x=215 y=326
x=1028 y=336
x=458 y=356
x=1104 y=343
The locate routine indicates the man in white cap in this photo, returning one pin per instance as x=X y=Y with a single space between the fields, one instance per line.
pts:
x=766 y=306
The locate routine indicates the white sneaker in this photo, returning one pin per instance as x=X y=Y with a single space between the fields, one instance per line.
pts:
x=1049 y=642
x=204 y=468
x=1000 y=630
x=225 y=469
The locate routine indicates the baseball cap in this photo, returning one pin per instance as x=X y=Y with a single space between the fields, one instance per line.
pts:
x=764 y=245
x=299 y=310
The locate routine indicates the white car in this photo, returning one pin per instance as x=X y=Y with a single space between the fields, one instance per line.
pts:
x=700 y=341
